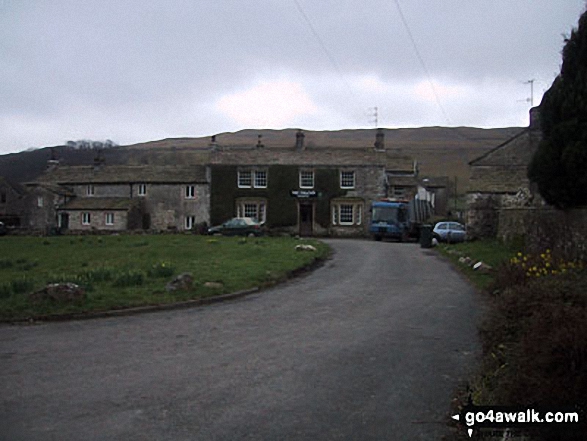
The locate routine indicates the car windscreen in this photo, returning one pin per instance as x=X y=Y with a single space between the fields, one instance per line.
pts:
x=385 y=214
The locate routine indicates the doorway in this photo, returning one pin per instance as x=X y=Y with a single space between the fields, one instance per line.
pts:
x=306 y=218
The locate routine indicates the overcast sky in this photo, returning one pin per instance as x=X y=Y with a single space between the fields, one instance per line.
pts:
x=140 y=70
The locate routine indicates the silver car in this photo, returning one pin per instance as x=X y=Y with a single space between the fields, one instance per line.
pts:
x=449 y=232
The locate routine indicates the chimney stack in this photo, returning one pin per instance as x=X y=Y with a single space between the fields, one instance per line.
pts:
x=535 y=118
x=380 y=140
x=213 y=144
x=259 y=143
x=53 y=162
x=98 y=159
x=300 y=140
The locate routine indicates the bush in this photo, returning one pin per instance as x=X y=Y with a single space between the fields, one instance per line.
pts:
x=535 y=342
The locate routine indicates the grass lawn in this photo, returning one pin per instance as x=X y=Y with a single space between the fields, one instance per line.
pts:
x=491 y=252
x=126 y=271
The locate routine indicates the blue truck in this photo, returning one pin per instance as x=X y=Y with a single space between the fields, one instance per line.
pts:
x=398 y=219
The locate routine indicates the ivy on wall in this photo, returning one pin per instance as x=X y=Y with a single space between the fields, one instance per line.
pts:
x=282 y=208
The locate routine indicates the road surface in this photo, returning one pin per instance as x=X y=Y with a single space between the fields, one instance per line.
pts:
x=368 y=347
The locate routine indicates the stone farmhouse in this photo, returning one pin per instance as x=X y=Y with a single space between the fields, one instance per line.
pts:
x=117 y=198
x=301 y=189
x=499 y=181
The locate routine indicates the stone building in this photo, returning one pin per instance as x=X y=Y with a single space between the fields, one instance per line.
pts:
x=12 y=203
x=305 y=190
x=499 y=180
x=115 y=198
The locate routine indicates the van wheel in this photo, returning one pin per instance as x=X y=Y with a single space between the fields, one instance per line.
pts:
x=377 y=238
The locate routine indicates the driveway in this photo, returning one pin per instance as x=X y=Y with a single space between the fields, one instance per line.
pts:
x=368 y=347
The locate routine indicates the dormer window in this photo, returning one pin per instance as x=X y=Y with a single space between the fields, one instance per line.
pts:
x=142 y=189
x=90 y=190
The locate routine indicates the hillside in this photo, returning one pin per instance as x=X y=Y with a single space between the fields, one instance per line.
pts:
x=440 y=151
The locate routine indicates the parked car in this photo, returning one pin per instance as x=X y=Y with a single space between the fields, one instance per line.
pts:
x=449 y=232
x=3 y=230
x=239 y=226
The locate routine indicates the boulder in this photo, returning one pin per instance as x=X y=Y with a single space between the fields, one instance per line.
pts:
x=182 y=282
x=305 y=248
x=59 y=292
x=213 y=285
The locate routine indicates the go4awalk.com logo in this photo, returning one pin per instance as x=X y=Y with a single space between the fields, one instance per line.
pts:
x=571 y=419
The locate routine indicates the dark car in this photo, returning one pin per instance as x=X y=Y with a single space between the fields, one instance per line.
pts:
x=3 y=230
x=449 y=232
x=239 y=226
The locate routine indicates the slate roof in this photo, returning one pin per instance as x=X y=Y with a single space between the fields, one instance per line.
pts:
x=517 y=151
x=312 y=157
x=18 y=189
x=120 y=174
x=504 y=168
x=91 y=203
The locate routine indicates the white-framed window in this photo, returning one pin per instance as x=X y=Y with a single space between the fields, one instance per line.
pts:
x=260 y=179
x=252 y=179
x=90 y=190
x=40 y=201
x=306 y=178
x=245 y=178
x=86 y=218
x=109 y=218
x=254 y=208
x=190 y=191
x=347 y=213
x=142 y=189
x=347 y=179
x=190 y=222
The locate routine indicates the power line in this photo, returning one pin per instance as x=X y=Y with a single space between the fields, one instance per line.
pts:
x=422 y=63
x=323 y=46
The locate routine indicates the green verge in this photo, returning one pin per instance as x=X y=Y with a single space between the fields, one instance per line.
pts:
x=127 y=271
x=492 y=252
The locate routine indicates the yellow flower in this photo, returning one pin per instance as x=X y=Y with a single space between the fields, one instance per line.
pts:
x=519 y=254
x=525 y=259
x=547 y=265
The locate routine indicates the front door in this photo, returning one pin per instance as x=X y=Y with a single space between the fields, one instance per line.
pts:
x=63 y=221
x=306 y=218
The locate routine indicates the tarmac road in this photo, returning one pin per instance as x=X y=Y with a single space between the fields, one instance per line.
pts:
x=368 y=347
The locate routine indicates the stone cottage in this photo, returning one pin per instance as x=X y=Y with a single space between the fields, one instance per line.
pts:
x=116 y=198
x=499 y=180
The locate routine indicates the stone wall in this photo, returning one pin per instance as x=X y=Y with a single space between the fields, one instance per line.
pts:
x=563 y=232
x=168 y=205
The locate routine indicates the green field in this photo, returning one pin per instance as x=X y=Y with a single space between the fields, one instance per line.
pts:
x=126 y=271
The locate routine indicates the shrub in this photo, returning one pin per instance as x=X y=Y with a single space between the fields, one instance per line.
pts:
x=535 y=342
